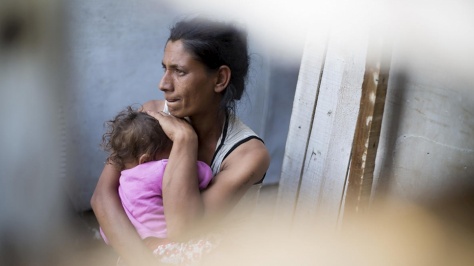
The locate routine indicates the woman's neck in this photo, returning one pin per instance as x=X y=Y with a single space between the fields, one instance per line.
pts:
x=208 y=129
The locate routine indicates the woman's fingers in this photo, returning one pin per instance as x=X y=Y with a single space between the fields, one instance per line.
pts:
x=172 y=126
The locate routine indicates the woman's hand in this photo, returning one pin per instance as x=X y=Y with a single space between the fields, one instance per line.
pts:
x=175 y=128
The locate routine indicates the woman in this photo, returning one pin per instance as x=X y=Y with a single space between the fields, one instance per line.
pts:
x=205 y=66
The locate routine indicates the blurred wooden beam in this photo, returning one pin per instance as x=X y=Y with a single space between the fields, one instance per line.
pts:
x=302 y=116
x=367 y=133
x=322 y=127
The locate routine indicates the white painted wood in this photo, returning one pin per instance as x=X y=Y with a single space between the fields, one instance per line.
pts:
x=329 y=147
x=300 y=124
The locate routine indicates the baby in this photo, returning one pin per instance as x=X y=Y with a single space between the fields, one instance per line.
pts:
x=138 y=146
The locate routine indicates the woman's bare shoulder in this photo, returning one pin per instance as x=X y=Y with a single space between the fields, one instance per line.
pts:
x=154 y=105
x=251 y=159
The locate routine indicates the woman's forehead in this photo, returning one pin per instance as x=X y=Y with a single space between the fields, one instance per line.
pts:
x=175 y=51
x=177 y=56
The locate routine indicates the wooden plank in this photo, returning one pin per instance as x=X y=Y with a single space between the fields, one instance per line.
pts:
x=300 y=125
x=367 y=134
x=328 y=149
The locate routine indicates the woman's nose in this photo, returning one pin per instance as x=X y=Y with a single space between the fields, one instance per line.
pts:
x=165 y=82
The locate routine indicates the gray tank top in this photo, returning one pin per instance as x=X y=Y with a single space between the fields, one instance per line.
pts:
x=234 y=133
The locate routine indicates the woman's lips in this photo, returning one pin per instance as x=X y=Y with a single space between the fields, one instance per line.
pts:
x=172 y=103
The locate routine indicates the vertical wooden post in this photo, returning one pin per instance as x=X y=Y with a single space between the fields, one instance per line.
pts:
x=322 y=128
x=329 y=145
x=367 y=133
x=302 y=117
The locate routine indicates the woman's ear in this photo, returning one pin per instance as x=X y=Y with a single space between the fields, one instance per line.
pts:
x=223 y=78
x=144 y=158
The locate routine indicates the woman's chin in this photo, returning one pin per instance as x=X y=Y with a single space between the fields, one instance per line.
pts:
x=177 y=113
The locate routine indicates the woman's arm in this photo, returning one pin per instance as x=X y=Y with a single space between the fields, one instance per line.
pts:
x=182 y=199
x=187 y=208
x=114 y=222
x=184 y=204
x=244 y=167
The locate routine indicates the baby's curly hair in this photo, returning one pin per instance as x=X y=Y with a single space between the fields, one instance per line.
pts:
x=133 y=133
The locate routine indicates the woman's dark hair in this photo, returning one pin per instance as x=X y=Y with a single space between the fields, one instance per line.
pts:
x=216 y=44
x=133 y=133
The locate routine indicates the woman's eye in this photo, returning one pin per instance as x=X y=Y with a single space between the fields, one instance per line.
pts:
x=180 y=72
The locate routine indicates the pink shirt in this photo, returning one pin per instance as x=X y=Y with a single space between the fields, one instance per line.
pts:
x=140 y=191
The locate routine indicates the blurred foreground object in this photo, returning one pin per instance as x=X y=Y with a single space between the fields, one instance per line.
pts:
x=392 y=233
x=33 y=153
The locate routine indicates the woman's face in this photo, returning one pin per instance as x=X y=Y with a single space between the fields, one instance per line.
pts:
x=187 y=84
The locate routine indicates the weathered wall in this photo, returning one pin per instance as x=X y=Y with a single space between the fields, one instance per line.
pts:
x=427 y=145
x=426 y=148
x=114 y=53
